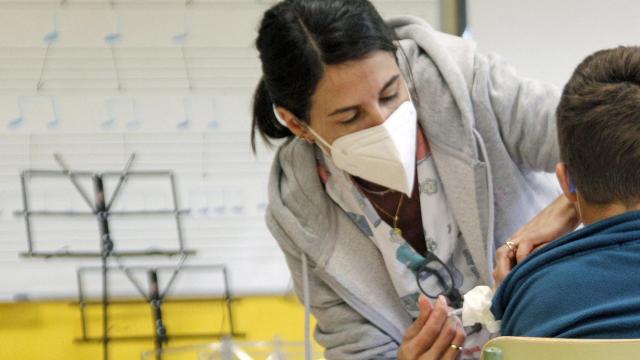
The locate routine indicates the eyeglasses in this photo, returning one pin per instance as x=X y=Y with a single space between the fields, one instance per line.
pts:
x=434 y=279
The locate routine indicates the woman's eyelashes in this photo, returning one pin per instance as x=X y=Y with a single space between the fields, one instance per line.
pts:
x=388 y=99
x=383 y=100
x=352 y=119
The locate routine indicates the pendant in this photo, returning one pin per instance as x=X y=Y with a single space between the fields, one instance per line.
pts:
x=398 y=231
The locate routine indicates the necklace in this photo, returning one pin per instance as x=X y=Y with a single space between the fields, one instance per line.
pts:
x=395 y=217
x=373 y=192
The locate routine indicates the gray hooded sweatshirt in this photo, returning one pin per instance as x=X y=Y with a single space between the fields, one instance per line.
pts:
x=492 y=136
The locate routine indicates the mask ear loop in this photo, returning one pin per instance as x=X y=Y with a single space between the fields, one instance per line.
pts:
x=306 y=127
x=278 y=117
x=322 y=141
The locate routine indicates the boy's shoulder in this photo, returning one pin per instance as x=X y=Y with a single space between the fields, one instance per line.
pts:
x=573 y=278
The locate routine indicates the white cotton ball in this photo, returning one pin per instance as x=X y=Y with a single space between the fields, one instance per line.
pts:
x=477 y=308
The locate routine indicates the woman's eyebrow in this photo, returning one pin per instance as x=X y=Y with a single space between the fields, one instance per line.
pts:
x=389 y=83
x=355 y=107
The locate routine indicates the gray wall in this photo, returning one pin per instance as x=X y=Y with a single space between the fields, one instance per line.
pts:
x=546 y=39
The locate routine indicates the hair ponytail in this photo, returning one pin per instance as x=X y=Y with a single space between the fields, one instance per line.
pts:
x=296 y=40
x=264 y=120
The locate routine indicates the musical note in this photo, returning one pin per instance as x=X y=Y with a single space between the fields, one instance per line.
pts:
x=55 y=122
x=235 y=198
x=111 y=117
x=114 y=37
x=19 y=121
x=54 y=35
x=198 y=203
x=188 y=110
x=261 y=207
x=218 y=207
x=181 y=38
x=50 y=38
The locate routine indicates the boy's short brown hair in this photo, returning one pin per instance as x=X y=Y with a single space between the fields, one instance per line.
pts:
x=599 y=126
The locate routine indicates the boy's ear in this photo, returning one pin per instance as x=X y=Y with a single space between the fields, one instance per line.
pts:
x=569 y=190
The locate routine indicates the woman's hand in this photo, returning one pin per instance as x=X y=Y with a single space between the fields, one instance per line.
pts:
x=556 y=220
x=433 y=333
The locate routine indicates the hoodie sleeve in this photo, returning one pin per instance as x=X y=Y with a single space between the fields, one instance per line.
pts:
x=342 y=331
x=524 y=110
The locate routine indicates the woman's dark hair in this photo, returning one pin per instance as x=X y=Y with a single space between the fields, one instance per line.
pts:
x=296 y=40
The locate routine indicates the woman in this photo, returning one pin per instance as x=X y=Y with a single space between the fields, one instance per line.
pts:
x=409 y=159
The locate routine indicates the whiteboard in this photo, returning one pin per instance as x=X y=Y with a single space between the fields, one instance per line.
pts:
x=70 y=104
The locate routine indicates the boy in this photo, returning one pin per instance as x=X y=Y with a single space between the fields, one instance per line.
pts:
x=587 y=284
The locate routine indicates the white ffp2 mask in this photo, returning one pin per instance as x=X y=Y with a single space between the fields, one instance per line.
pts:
x=384 y=154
